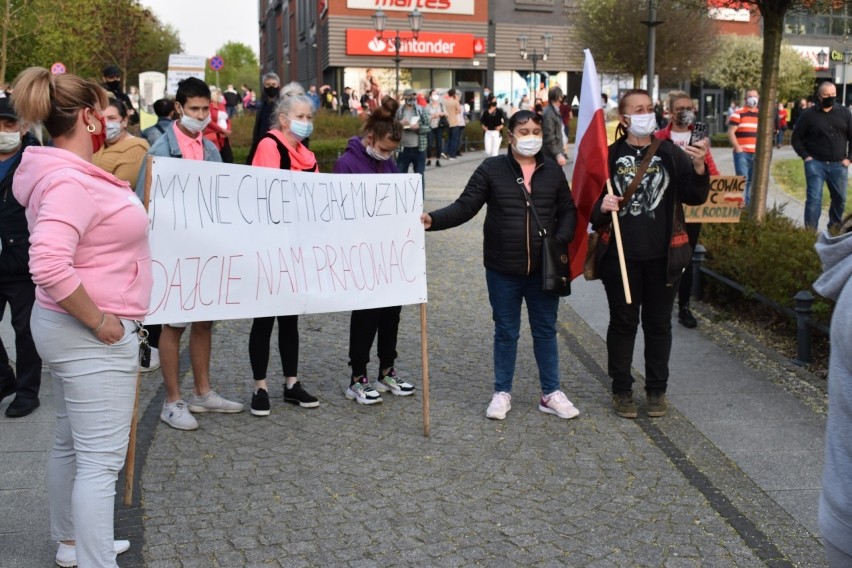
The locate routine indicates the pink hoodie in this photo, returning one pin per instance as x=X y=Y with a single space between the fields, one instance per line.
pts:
x=86 y=227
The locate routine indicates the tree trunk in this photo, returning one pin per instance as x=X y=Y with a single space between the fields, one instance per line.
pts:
x=773 y=26
x=7 y=21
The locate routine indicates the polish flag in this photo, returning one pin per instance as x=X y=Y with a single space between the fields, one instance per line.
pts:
x=591 y=164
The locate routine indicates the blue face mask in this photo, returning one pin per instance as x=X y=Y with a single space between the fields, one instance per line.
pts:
x=301 y=129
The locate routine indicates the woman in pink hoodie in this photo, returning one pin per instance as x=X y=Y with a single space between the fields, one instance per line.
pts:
x=90 y=261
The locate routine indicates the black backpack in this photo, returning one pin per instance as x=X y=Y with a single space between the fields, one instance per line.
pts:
x=285 y=154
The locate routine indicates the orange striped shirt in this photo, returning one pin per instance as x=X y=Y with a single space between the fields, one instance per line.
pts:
x=745 y=119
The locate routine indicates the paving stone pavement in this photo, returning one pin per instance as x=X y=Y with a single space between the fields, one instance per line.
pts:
x=360 y=486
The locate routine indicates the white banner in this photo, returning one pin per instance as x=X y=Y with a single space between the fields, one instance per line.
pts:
x=231 y=241
x=182 y=66
x=464 y=7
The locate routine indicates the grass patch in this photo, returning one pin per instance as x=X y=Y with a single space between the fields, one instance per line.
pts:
x=790 y=176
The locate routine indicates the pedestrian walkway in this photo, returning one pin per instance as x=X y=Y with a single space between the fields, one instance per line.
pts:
x=729 y=478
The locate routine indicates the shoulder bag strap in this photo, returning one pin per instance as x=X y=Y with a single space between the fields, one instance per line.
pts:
x=520 y=180
x=640 y=173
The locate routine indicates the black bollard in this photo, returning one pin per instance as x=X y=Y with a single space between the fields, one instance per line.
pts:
x=698 y=258
x=804 y=308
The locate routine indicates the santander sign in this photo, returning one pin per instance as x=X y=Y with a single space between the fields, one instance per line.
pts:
x=364 y=42
x=463 y=7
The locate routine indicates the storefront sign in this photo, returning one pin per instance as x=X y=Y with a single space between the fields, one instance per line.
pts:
x=464 y=7
x=364 y=42
x=811 y=53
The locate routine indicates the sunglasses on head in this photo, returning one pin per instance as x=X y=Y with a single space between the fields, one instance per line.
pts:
x=535 y=117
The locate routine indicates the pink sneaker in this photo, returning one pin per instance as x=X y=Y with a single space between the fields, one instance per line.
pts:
x=557 y=403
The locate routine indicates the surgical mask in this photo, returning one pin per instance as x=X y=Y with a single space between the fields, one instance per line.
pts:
x=751 y=101
x=271 y=92
x=828 y=102
x=9 y=141
x=642 y=125
x=527 y=145
x=376 y=155
x=435 y=98
x=113 y=131
x=410 y=101
x=193 y=124
x=685 y=118
x=301 y=129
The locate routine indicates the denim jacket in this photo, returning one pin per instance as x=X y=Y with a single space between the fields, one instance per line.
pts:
x=167 y=146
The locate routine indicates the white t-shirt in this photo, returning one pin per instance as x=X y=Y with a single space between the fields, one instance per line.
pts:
x=681 y=139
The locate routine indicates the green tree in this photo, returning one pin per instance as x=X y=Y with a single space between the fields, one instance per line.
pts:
x=240 y=67
x=737 y=66
x=614 y=32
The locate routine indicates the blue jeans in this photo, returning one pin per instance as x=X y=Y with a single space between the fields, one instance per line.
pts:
x=94 y=386
x=744 y=166
x=452 y=147
x=505 y=292
x=412 y=156
x=835 y=175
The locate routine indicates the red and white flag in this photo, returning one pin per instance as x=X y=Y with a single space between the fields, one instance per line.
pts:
x=591 y=165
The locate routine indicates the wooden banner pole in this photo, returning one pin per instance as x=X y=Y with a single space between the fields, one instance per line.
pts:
x=616 y=230
x=424 y=351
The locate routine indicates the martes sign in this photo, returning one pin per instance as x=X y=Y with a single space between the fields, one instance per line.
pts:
x=463 y=7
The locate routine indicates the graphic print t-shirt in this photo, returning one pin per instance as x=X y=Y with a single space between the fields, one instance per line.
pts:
x=643 y=218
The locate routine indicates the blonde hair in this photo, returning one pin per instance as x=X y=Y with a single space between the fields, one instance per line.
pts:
x=54 y=100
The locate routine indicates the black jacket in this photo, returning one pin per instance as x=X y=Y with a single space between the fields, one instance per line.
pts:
x=511 y=241
x=14 y=235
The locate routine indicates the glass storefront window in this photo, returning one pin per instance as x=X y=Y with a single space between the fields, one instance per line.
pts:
x=442 y=78
x=420 y=79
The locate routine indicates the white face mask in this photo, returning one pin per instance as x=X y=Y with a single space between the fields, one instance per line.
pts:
x=376 y=155
x=527 y=145
x=193 y=124
x=113 y=131
x=751 y=102
x=9 y=142
x=435 y=98
x=642 y=125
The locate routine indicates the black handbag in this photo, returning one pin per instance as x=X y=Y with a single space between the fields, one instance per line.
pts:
x=555 y=269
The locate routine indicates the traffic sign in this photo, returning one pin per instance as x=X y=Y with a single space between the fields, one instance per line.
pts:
x=216 y=63
x=57 y=68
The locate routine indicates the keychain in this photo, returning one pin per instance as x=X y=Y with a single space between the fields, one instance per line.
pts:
x=144 y=347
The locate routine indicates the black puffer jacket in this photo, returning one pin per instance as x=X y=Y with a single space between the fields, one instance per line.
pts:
x=512 y=244
x=14 y=235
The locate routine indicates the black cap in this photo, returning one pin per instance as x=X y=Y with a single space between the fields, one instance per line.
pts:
x=111 y=71
x=7 y=110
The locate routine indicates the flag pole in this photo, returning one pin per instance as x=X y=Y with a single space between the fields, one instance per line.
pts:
x=616 y=229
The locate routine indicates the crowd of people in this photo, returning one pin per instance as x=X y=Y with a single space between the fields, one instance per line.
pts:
x=76 y=267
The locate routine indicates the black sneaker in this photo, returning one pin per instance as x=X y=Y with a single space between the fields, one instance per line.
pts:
x=428 y=162
x=297 y=395
x=437 y=163
x=686 y=319
x=22 y=406
x=260 y=403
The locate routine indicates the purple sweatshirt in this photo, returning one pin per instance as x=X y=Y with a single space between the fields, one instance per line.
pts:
x=355 y=160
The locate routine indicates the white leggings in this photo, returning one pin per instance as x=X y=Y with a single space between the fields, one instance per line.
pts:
x=94 y=387
x=492 y=142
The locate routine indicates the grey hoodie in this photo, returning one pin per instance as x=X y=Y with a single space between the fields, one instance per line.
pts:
x=835 y=506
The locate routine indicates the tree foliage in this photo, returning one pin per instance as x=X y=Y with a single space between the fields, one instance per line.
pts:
x=614 y=32
x=85 y=35
x=737 y=65
x=240 y=67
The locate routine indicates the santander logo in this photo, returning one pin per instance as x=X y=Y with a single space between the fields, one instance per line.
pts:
x=376 y=45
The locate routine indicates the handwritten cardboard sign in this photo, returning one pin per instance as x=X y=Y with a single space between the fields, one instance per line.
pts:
x=724 y=203
x=230 y=241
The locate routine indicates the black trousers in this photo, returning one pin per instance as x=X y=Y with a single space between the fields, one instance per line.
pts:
x=288 y=345
x=684 y=292
x=20 y=295
x=652 y=302
x=363 y=328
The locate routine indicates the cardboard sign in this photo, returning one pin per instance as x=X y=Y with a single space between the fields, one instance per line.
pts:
x=723 y=205
x=231 y=241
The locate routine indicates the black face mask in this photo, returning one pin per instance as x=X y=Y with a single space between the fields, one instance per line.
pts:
x=828 y=102
x=271 y=92
x=113 y=86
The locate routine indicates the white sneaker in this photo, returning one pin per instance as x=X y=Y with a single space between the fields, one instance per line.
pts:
x=362 y=392
x=557 y=403
x=154 y=362
x=501 y=403
x=66 y=554
x=392 y=383
x=176 y=415
x=212 y=402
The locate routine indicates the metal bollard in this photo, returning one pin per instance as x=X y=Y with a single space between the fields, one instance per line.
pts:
x=804 y=308
x=699 y=255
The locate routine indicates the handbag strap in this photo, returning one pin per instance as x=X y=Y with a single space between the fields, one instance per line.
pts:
x=520 y=179
x=640 y=173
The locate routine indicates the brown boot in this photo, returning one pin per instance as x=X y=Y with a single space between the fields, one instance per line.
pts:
x=623 y=404
x=657 y=405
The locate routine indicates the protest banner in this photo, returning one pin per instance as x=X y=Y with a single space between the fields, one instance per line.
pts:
x=182 y=66
x=724 y=202
x=231 y=241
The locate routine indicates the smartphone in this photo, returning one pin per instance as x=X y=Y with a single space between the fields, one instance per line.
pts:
x=699 y=133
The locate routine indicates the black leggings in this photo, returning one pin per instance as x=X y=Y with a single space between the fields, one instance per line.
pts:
x=363 y=328
x=288 y=345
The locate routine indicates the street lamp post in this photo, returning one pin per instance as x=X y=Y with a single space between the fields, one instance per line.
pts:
x=535 y=56
x=415 y=21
